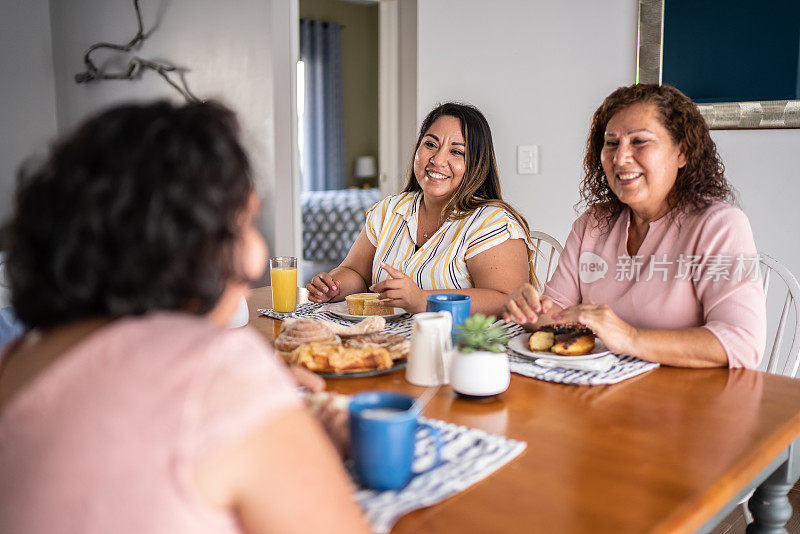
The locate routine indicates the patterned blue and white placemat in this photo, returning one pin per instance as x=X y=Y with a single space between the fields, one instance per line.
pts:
x=468 y=455
x=303 y=310
x=625 y=367
x=401 y=325
x=512 y=329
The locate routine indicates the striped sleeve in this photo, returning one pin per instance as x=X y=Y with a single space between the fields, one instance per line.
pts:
x=493 y=227
x=375 y=217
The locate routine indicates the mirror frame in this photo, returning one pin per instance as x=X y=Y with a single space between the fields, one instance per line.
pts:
x=719 y=116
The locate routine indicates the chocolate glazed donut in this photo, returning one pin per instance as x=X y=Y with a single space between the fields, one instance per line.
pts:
x=568 y=339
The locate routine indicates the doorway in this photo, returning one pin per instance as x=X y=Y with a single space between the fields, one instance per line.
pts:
x=338 y=133
x=328 y=219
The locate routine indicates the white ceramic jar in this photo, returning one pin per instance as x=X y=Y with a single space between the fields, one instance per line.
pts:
x=480 y=374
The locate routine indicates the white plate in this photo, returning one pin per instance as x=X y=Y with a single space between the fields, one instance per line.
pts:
x=340 y=309
x=520 y=345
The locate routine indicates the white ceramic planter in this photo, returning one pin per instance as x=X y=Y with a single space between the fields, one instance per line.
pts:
x=479 y=374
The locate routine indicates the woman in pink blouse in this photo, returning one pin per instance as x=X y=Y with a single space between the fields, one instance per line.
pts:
x=129 y=407
x=660 y=265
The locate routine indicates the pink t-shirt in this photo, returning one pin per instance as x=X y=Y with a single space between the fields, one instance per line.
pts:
x=106 y=438
x=699 y=270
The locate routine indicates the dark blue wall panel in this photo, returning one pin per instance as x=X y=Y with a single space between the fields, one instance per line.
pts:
x=732 y=50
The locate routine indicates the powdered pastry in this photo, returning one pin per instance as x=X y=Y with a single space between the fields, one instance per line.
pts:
x=366 y=326
x=295 y=332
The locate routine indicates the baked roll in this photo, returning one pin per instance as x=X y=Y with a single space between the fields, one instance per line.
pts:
x=296 y=332
x=541 y=340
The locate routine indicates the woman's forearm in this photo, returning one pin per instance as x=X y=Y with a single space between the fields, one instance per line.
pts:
x=684 y=347
x=351 y=282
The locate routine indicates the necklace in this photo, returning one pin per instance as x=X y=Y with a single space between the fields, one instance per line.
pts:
x=426 y=235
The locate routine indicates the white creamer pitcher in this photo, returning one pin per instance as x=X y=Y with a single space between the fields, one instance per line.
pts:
x=431 y=349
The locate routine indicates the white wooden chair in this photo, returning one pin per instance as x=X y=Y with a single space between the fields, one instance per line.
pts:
x=546 y=257
x=772 y=360
x=775 y=360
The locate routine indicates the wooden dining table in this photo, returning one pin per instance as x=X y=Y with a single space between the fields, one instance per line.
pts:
x=672 y=450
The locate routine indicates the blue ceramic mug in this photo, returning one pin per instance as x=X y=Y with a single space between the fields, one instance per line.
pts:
x=457 y=305
x=382 y=439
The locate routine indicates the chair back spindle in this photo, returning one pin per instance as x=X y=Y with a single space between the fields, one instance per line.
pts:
x=791 y=362
x=547 y=247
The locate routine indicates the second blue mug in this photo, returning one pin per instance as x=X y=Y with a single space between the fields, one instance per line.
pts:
x=458 y=306
x=383 y=435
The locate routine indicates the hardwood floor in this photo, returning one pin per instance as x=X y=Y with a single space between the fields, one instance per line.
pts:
x=736 y=524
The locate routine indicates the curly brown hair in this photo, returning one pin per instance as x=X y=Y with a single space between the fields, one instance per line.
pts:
x=137 y=210
x=699 y=182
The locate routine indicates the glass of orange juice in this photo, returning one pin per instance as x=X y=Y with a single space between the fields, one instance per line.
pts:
x=283 y=279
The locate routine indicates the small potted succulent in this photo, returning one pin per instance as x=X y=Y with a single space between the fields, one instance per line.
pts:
x=480 y=364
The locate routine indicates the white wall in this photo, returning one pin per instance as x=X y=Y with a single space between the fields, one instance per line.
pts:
x=764 y=166
x=539 y=69
x=28 y=104
x=227 y=48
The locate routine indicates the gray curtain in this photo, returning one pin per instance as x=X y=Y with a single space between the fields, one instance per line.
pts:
x=323 y=163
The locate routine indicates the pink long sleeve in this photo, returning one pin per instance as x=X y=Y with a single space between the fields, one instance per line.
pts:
x=696 y=270
x=734 y=309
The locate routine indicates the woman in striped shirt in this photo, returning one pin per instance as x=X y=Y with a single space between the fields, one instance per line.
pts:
x=449 y=231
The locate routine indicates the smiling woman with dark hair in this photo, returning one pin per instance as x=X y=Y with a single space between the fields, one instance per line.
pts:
x=661 y=265
x=449 y=231
x=129 y=407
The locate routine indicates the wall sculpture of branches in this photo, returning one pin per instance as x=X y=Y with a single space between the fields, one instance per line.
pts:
x=136 y=66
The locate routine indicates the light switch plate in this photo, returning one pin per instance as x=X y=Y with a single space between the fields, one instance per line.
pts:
x=527 y=159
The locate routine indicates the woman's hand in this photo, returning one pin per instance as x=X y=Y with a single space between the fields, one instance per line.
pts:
x=335 y=421
x=305 y=378
x=618 y=336
x=525 y=305
x=323 y=288
x=402 y=291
